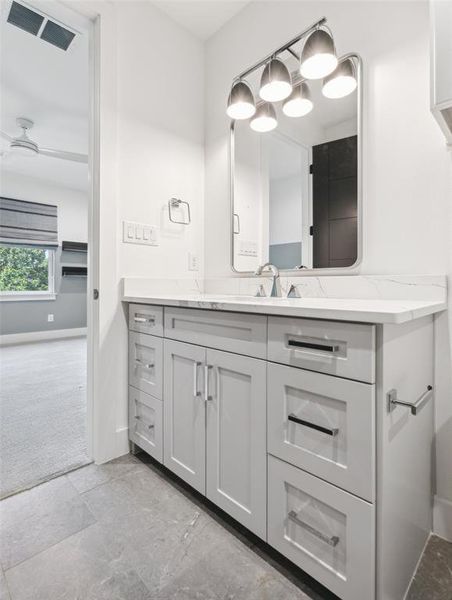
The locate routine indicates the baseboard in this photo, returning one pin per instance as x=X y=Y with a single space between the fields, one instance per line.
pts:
x=38 y=336
x=442 y=518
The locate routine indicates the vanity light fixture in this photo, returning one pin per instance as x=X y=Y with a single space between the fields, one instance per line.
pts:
x=342 y=81
x=275 y=81
x=241 y=101
x=265 y=118
x=299 y=103
x=318 y=57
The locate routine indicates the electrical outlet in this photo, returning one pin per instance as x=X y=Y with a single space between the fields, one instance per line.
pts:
x=50 y=318
x=193 y=261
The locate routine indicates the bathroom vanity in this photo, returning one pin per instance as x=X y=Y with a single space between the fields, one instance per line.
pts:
x=284 y=413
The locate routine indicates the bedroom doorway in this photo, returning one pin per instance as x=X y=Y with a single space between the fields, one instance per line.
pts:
x=45 y=242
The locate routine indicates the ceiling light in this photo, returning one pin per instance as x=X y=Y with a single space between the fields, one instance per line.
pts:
x=318 y=57
x=299 y=102
x=241 y=102
x=341 y=82
x=265 y=118
x=275 y=81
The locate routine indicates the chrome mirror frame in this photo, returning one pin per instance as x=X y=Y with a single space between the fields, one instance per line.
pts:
x=321 y=271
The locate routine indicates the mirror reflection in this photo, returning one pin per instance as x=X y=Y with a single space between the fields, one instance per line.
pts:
x=295 y=188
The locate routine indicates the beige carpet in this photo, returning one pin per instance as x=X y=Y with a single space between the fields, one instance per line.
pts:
x=42 y=411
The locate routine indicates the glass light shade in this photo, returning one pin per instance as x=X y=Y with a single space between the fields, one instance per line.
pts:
x=241 y=102
x=318 y=57
x=265 y=118
x=299 y=102
x=275 y=81
x=341 y=82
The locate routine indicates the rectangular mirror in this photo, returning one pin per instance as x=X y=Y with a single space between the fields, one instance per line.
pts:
x=295 y=190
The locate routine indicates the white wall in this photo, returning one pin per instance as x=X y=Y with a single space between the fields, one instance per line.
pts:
x=72 y=204
x=160 y=137
x=407 y=170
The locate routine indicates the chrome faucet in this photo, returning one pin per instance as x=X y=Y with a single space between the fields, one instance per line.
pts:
x=276 y=286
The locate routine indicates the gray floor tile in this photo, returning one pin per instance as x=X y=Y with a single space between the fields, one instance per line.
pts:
x=36 y=519
x=433 y=579
x=177 y=548
x=91 y=476
x=4 y=593
x=84 y=566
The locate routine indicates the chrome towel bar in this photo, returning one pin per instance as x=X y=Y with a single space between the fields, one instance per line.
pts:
x=415 y=407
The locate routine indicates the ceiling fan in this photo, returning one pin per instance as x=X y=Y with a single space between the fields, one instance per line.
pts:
x=28 y=147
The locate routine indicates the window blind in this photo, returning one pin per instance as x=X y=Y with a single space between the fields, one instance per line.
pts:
x=30 y=223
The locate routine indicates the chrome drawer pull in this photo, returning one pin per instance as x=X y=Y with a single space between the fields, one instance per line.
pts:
x=144 y=319
x=313 y=346
x=295 y=419
x=331 y=541
x=138 y=418
x=196 y=392
x=144 y=365
x=415 y=407
x=207 y=397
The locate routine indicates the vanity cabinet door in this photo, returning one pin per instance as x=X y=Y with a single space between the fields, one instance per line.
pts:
x=236 y=437
x=185 y=412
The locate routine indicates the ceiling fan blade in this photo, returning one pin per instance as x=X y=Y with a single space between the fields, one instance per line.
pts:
x=6 y=136
x=74 y=156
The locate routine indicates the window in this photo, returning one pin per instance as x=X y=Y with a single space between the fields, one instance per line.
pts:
x=26 y=273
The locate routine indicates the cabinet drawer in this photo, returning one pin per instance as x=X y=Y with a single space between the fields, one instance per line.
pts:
x=145 y=363
x=322 y=529
x=145 y=423
x=343 y=349
x=234 y=332
x=323 y=424
x=146 y=318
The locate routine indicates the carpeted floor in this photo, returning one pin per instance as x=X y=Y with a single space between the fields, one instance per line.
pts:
x=42 y=411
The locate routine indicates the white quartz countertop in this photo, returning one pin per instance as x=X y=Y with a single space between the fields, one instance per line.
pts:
x=339 y=309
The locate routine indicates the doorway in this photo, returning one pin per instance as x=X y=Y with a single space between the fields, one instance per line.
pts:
x=45 y=242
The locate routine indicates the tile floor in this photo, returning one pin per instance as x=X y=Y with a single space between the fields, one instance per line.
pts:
x=128 y=531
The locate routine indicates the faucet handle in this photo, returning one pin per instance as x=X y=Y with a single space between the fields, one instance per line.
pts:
x=293 y=292
x=260 y=292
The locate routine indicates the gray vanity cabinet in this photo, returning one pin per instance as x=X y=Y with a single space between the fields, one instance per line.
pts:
x=185 y=413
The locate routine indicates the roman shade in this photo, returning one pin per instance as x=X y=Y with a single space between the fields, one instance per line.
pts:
x=28 y=223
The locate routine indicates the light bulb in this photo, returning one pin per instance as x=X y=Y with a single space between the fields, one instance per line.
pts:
x=275 y=82
x=241 y=102
x=341 y=82
x=299 y=102
x=318 y=57
x=265 y=118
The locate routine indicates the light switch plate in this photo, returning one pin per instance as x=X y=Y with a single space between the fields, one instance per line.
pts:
x=139 y=233
x=248 y=248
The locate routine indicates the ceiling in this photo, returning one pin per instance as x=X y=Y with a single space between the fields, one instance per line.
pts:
x=51 y=87
x=202 y=18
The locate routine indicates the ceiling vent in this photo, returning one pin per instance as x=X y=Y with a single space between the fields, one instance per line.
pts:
x=57 y=35
x=24 y=18
x=39 y=25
